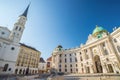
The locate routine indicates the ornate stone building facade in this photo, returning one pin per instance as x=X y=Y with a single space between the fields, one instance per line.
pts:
x=9 y=43
x=100 y=54
x=28 y=60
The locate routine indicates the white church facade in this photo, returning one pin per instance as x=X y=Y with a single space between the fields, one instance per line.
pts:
x=9 y=43
x=100 y=54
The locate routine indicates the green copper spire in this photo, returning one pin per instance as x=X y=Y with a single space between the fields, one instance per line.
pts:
x=98 y=31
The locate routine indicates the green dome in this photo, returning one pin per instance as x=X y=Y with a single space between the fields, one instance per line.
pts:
x=98 y=30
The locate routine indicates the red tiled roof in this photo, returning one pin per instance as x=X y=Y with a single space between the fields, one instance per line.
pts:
x=49 y=59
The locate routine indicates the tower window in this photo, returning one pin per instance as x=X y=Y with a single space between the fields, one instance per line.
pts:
x=19 y=28
x=16 y=28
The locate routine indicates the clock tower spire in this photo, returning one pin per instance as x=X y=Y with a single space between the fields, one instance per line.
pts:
x=19 y=26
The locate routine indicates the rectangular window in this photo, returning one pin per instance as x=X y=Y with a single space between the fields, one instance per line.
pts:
x=75 y=59
x=59 y=70
x=60 y=61
x=65 y=55
x=65 y=70
x=65 y=60
x=60 y=55
x=81 y=59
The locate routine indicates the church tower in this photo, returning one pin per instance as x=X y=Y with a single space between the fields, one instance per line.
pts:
x=19 y=27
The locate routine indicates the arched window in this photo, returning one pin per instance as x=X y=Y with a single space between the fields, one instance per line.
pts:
x=19 y=28
x=118 y=48
x=5 y=67
x=16 y=28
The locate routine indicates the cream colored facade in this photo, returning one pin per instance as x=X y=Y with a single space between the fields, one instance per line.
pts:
x=28 y=60
x=100 y=54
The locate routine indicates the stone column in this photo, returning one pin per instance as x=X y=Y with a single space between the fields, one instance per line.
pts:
x=112 y=46
x=91 y=69
x=90 y=54
x=104 y=68
x=83 y=55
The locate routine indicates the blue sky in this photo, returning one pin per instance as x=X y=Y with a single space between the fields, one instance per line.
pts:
x=65 y=22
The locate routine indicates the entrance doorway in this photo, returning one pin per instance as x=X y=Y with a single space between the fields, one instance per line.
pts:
x=110 y=68
x=98 y=64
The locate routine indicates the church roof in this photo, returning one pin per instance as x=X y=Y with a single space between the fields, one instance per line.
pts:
x=59 y=46
x=26 y=11
x=42 y=60
x=49 y=59
x=22 y=44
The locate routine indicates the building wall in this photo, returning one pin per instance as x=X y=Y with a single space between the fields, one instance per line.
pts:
x=42 y=67
x=27 y=58
x=4 y=32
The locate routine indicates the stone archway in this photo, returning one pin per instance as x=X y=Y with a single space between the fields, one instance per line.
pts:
x=97 y=63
